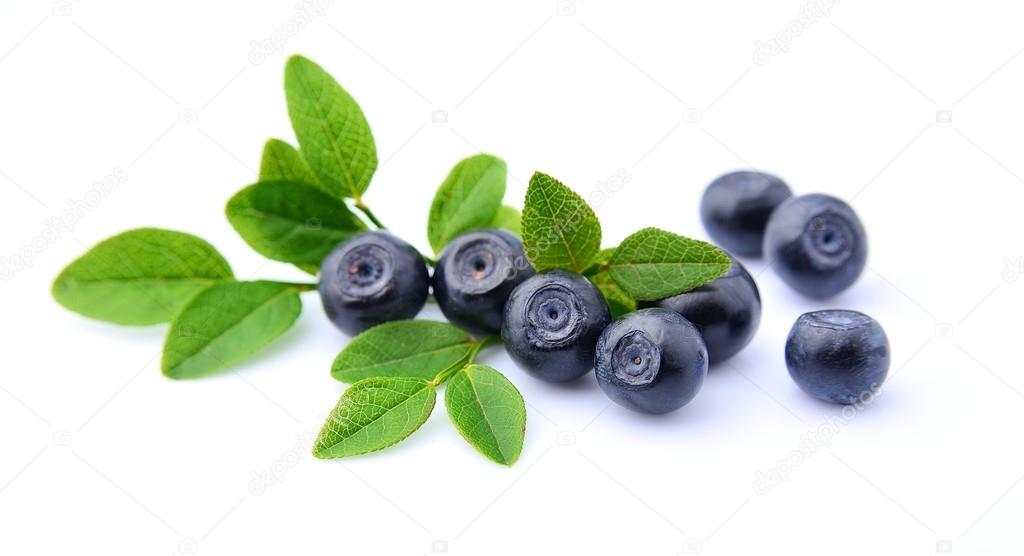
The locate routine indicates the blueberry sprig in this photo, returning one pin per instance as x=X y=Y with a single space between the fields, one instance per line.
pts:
x=548 y=296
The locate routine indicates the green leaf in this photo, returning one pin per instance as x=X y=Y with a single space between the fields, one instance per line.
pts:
x=488 y=411
x=373 y=414
x=654 y=264
x=468 y=199
x=559 y=229
x=333 y=134
x=619 y=300
x=409 y=348
x=281 y=161
x=510 y=219
x=290 y=221
x=140 y=277
x=226 y=323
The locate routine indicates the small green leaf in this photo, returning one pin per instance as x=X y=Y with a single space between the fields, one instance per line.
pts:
x=291 y=221
x=559 y=229
x=468 y=199
x=226 y=323
x=488 y=411
x=140 y=277
x=281 y=161
x=333 y=135
x=373 y=414
x=510 y=219
x=619 y=300
x=654 y=264
x=409 y=348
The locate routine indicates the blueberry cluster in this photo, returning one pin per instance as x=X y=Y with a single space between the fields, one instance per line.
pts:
x=817 y=245
x=557 y=325
x=376 y=277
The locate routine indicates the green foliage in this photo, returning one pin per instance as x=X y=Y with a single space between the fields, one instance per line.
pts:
x=140 y=277
x=226 y=323
x=559 y=229
x=373 y=414
x=488 y=411
x=468 y=199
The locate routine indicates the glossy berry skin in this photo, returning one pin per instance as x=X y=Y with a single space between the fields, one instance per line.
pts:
x=551 y=324
x=474 y=276
x=371 y=278
x=838 y=356
x=651 y=360
x=817 y=245
x=735 y=209
x=727 y=311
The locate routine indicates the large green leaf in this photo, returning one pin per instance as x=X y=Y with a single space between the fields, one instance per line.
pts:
x=281 y=161
x=291 y=221
x=654 y=264
x=411 y=348
x=559 y=228
x=226 y=323
x=140 y=277
x=373 y=414
x=488 y=411
x=508 y=218
x=468 y=199
x=333 y=134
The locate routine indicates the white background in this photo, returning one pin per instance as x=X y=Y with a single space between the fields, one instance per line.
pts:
x=102 y=455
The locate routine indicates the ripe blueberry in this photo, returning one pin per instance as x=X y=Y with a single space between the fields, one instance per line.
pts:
x=474 y=277
x=551 y=324
x=651 y=360
x=727 y=311
x=838 y=356
x=816 y=244
x=373 y=277
x=735 y=209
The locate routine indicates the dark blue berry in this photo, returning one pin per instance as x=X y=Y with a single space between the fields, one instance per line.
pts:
x=474 y=277
x=838 y=356
x=727 y=311
x=652 y=360
x=817 y=245
x=735 y=209
x=551 y=324
x=373 y=277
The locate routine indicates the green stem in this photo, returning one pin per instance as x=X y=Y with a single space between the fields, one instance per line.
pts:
x=300 y=287
x=464 y=362
x=451 y=370
x=369 y=214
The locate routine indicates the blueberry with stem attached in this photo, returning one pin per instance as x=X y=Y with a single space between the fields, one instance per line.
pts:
x=371 y=278
x=838 y=356
x=735 y=209
x=551 y=324
x=816 y=244
x=474 y=276
x=652 y=361
x=727 y=311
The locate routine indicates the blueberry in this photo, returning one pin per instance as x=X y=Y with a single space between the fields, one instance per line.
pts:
x=652 y=360
x=727 y=311
x=817 y=245
x=736 y=207
x=474 y=277
x=838 y=356
x=373 y=277
x=551 y=324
